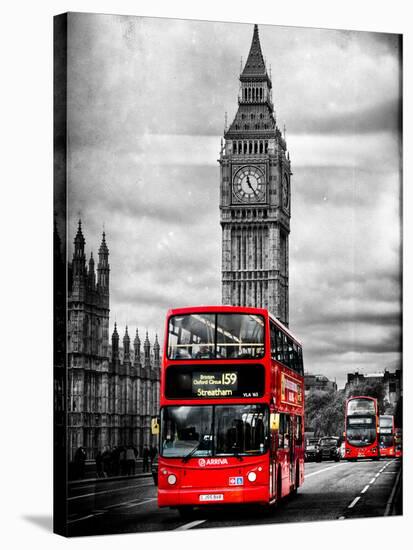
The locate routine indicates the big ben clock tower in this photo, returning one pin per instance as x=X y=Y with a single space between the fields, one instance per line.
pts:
x=255 y=197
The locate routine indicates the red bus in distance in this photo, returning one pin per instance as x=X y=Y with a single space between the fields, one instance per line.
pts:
x=232 y=409
x=386 y=436
x=361 y=428
x=398 y=444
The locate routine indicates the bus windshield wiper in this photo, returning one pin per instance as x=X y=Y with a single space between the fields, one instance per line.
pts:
x=191 y=453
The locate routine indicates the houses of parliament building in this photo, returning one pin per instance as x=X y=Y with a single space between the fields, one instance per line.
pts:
x=112 y=390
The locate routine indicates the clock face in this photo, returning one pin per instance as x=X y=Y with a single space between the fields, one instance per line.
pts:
x=284 y=192
x=249 y=185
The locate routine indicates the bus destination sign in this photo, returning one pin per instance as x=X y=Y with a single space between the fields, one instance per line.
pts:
x=214 y=384
x=228 y=381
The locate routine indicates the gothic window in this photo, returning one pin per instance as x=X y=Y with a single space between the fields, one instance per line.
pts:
x=243 y=116
x=235 y=147
x=261 y=94
x=250 y=147
x=246 y=126
x=255 y=147
x=266 y=146
x=252 y=116
x=245 y=147
x=236 y=126
x=261 y=115
x=261 y=148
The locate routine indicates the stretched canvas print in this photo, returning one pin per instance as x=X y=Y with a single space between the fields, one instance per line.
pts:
x=227 y=274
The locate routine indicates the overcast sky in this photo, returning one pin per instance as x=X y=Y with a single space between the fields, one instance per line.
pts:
x=146 y=106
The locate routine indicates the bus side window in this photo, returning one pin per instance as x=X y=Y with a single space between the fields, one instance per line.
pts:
x=294 y=359
x=287 y=434
x=280 y=354
x=298 y=430
x=281 y=431
x=300 y=361
x=273 y=341
x=285 y=348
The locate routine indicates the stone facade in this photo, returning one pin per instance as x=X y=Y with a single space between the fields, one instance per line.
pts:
x=112 y=391
x=255 y=197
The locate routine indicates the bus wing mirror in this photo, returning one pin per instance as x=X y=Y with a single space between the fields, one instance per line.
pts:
x=155 y=426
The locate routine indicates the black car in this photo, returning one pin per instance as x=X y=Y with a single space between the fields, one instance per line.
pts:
x=311 y=450
x=329 y=449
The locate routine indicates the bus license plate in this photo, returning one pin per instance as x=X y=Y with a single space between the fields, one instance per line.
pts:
x=204 y=498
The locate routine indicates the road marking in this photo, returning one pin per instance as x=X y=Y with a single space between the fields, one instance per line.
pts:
x=323 y=470
x=365 y=488
x=85 y=517
x=96 y=483
x=190 y=525
x=142 y=502
x=354 y=502
x=372 y=480
x=392 y=495
x=110 y=491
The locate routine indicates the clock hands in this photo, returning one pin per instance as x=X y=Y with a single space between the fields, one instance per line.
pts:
x=250 y=186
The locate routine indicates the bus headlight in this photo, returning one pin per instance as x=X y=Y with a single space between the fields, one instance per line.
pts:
x=172 y=479
x=252 y=476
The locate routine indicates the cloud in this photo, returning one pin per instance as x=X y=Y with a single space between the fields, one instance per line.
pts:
x=146 y=105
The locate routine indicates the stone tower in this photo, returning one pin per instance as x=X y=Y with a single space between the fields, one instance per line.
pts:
x=255 y=197
x=87 y=347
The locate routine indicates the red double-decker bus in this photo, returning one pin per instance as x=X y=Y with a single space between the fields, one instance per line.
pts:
x=398 y=446
x=361 y=428
x=386 y=435
x=232 y=409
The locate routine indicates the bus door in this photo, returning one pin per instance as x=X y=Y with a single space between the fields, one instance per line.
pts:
x=291 y=447
x=274 y=427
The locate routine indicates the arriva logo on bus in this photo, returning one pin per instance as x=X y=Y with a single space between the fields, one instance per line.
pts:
x=211 y=461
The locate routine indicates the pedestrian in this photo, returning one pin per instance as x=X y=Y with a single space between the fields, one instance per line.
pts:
x=152 y=454
x=80 y=459
x=146 y=459
x=106 y=459
x=130 y=461
x=99 y=464
x=122 y=461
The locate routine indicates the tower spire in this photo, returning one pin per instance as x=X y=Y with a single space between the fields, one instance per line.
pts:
x=79 y=258
x=103 y=265
x=255 y=64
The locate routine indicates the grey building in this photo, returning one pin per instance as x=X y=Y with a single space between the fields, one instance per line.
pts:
x=112 y=392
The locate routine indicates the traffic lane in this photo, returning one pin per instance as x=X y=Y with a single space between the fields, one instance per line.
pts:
x=84 y=500
x=89 y=486
x=134 y=516
x=377 y=496
x=104 y=495
x=329 y=488
x=325 y=495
